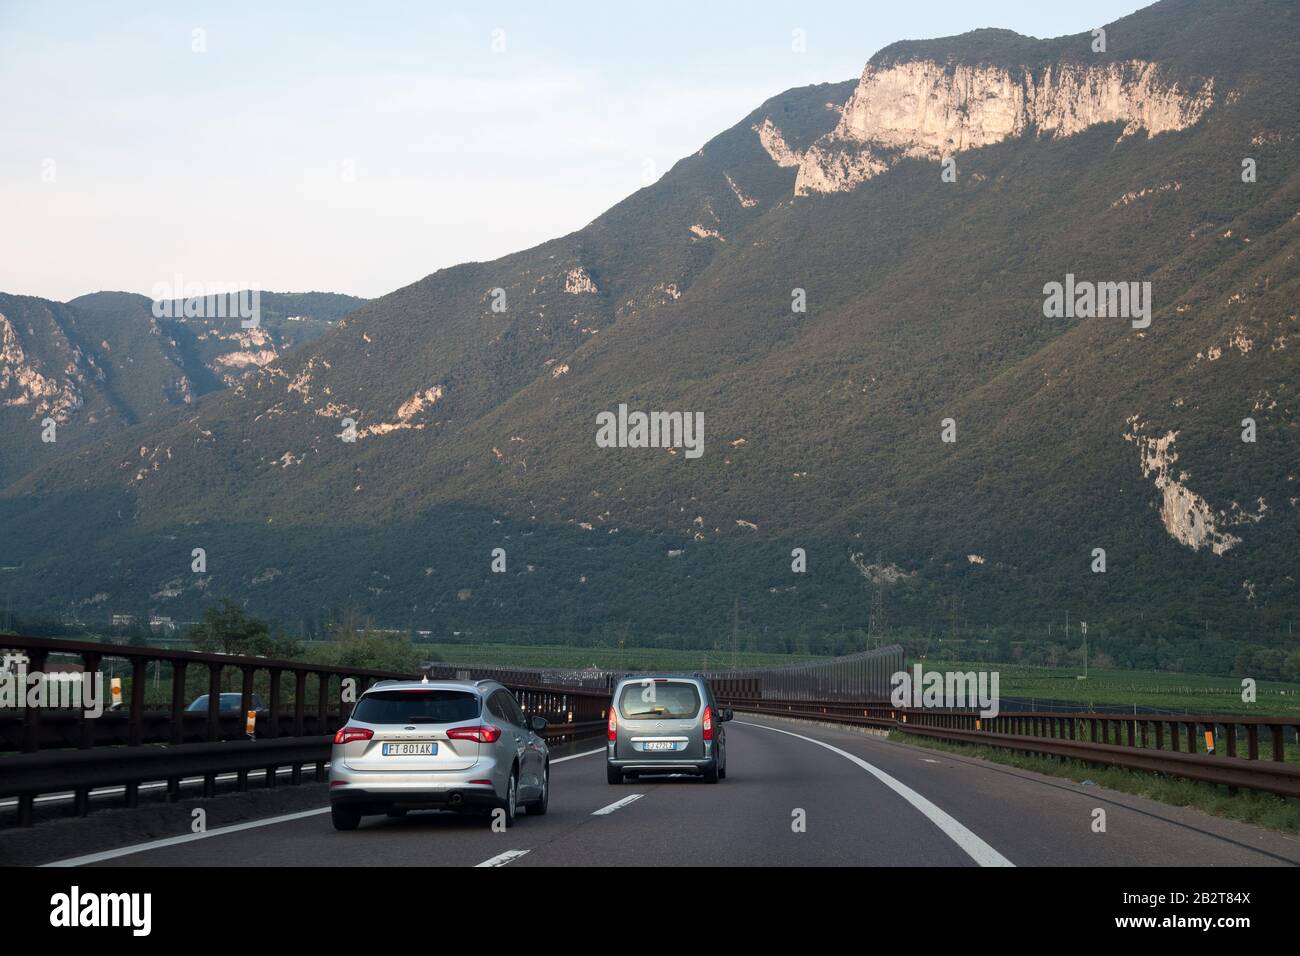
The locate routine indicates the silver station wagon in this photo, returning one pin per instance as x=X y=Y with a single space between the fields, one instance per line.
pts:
x=666 y=724
x=441 y=745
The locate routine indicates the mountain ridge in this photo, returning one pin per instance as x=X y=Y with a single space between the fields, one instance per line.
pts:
x=822 y=429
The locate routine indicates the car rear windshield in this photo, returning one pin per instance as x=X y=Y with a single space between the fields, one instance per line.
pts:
x=656 y=699
x=417 y=706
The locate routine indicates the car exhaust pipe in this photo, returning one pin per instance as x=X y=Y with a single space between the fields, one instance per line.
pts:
x=456 y=799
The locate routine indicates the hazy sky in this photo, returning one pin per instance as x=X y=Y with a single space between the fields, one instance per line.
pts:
x=355 y=148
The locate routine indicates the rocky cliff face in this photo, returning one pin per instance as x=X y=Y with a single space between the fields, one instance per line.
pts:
x=25 y=382
x=930 y=110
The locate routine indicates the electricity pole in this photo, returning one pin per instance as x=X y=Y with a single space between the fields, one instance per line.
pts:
x=1084 y=626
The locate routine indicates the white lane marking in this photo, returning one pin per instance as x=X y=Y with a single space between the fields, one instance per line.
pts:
x=187 y=838
x=287 y=818
x=975 y=848
x=587 y=753
x=617 y=804
x=501 y=859
x=113 y=791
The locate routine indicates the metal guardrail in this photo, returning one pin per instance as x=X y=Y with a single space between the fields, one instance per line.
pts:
x=859 y=676
x=61 y=750
x=865 y=675
x=1151 y=742
x=64 y=750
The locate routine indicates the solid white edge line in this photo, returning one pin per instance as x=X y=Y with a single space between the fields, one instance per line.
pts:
x=974 y=847
x=501 y=859
x=187 y=838
x=617 y=804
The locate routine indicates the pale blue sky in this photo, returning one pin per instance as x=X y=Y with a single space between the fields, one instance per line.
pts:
x=231 y=165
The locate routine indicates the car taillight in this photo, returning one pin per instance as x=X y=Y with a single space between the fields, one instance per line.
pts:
x=613 y=724
x=348 y=734
x=708 y=722
x=482 y=733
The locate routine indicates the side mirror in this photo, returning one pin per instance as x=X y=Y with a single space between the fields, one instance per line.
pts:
x=538 y=724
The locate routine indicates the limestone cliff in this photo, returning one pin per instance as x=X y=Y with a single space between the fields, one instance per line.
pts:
x=931 y=110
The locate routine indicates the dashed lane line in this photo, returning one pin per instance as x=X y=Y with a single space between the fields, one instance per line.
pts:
x=501 y=859
x=586 y=753
x=617 y=804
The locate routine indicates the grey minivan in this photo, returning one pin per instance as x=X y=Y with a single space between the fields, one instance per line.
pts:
x=438 y=745
x=665 y=724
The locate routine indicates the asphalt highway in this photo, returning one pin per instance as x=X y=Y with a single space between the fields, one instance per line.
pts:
x=795 y=794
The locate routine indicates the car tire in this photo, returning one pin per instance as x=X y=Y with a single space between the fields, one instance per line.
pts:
x=538 y=807
x=345 y=818
x=722 y=772
x=711 y=772
x=510 y=804
x=613 y=775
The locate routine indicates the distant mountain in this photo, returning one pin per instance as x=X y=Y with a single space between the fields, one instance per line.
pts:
x=474 y=393
x=104 y=361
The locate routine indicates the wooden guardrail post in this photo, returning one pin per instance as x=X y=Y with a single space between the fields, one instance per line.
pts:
x=299 y=702
x=177 y=729
x=36 y=661
x=214 y=722
x=272 y=728
x=89 y=671
x=246 y=690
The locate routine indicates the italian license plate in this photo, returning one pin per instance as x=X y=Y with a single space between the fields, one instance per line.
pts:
x=660 y=745
x=415 y=748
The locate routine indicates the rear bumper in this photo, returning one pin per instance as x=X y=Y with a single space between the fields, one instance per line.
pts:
x=634 y=765
x=461 y=797
x=417 y=790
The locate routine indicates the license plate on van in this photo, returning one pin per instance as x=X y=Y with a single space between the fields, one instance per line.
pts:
x=418 y=748
x=660 y=745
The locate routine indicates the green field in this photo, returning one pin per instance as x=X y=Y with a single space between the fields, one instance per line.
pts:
x=605 y=658
x=1192 y=693
x=1180 y=693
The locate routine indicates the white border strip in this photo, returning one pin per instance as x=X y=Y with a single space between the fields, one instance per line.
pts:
x=187 y=838
x=975 y=848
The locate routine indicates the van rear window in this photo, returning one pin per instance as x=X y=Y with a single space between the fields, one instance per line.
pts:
x=416 y=706
x=650 y=700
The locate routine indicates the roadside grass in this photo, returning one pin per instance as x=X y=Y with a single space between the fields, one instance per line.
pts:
x=1188 y=693
x=1246 y=806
